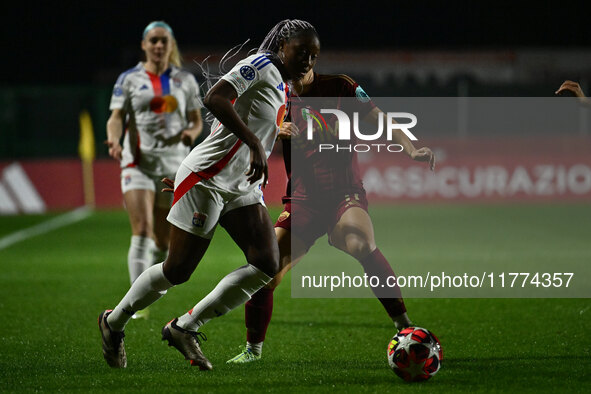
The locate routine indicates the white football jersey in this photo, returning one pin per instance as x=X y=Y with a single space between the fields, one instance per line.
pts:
x=222 y=160
x=156 y=108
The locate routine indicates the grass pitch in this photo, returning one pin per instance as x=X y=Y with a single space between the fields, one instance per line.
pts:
x=53 y=286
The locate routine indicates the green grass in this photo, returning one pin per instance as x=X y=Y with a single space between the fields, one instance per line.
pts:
x=53 y=286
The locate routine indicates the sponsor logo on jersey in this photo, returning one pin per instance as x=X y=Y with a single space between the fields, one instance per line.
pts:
x=280 y=87
x=164 y=104
x=361 y=95
x=199 y=219
x=144 y=87
x=117 y=91
x=247 y=72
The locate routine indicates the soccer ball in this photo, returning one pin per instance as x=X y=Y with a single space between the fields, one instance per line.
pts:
x=415 y=354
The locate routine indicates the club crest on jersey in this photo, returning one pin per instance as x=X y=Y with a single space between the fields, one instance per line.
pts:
x=284 y=215
x=361 y=95
x=199 y=219
x=177 y=82
x=117 y=91
x=247 y=72
x=127 y=180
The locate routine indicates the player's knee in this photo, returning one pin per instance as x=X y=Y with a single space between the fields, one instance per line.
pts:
x=266 y=260
x=175 y=274
x=359 y=248
x=141 y=227
x=275 y=281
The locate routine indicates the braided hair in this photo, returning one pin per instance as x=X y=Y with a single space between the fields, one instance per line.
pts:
x=282 y=32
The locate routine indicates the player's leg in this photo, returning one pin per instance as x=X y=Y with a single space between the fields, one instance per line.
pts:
x=251 y=228
x=259 y=309
x=162 y=204
x=309 y=225
x=354 y=234
x=139 y=204
x=189 y=238
x=138 y=194
x=161 y=234
x=186 y=250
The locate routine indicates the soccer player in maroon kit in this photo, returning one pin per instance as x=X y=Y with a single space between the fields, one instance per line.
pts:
x=327 y=197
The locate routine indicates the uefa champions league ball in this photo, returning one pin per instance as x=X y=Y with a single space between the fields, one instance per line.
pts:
x=415 y=354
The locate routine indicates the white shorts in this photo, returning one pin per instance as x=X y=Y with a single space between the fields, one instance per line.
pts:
x=199 y=209
x=133 y=178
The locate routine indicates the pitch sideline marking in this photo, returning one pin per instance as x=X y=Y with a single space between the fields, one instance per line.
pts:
x=71 y=217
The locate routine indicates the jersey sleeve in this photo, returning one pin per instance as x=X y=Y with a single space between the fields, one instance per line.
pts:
x=363 y=102
x=120 y=95
x=193 y=95
x=243 y=75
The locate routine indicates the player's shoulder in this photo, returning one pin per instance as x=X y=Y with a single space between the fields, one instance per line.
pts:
x=127 y=73
x=261 y=62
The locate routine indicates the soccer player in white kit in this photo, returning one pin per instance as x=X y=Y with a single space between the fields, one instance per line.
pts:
x=159 y=105
x=220 y=182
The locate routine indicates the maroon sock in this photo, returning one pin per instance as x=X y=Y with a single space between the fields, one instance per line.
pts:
x=375 y=264
x=257 y=313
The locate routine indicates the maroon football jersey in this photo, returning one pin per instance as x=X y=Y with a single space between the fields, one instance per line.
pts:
x=324 y=175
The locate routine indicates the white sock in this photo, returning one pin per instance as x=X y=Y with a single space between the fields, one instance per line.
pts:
x=148 y=287
x=158 y=255
x=139 y=257
x=233 y=290
x=256 y=348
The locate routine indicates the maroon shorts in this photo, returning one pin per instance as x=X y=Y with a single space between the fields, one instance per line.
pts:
x=309 y=221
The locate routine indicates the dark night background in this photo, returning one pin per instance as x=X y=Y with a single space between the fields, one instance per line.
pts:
x=71 y=42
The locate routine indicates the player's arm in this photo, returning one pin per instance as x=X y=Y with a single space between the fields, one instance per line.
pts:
x=219 y=102
x=574 y=88
x=398 y=137
x=190 y=134
x=114 y=132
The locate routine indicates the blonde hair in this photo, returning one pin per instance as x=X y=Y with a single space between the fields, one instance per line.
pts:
x=175 y=55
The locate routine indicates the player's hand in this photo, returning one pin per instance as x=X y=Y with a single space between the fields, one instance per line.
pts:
x=168 y=182
x=288 y=130
x=570 y=86
x=258 y=164
x=114 y=149
x=424 y=154
x=187 y=138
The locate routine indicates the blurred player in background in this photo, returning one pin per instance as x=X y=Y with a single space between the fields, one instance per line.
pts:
x=158 y=105
x=327 y=196
x=220 y=182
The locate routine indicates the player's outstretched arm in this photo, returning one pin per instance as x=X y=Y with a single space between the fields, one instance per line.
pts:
x=422 y=154
x=219 y=102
